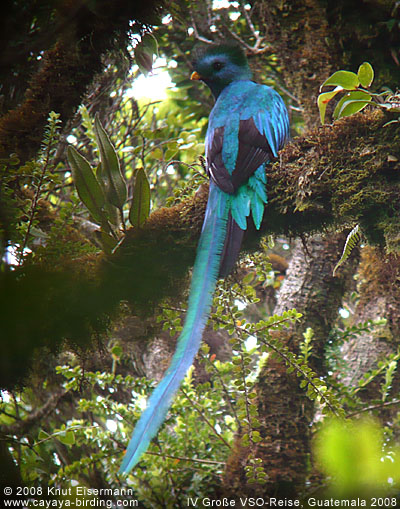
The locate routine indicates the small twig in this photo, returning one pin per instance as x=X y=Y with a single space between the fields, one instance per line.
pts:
x=122 y=219
x=289 y=94
x=139 y=119
x=170 y=308
x=363 y=384
x=197 y=35
x=180 y=458
x=305 y=247
x=228 y=397
x=374 y=407
x=34 y=203
x=22 y=425
x=202 y=415
x=249 y=22
x=303 y=374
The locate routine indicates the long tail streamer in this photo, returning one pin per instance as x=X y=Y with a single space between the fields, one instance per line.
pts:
x=204 y=278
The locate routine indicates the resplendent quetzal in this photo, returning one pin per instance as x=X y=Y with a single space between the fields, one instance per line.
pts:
x=248 y=125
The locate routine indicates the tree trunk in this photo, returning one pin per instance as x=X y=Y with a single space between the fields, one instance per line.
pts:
x=283 y=407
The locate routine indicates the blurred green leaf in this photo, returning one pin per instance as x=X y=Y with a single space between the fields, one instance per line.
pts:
x=149 y=44
x=140 y=208
x=107 y=241
x=145 y=50
x=248 y=278
x=351 y=453
x=67 y=438
x=43 y=435
x=366 y=74
x=143 y=60
x=116 y=351
x=110 y=210
x=109 y=171
x=86 y=184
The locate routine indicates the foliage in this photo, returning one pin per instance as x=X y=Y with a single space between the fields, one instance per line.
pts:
x=105 y=193
x=27 y=211
x=200 y=428
x=148 y=137
x=351 y=241
x=73 y=419
x=197 y=437
x=145 y=50
x=357 y=94
x=358 y=459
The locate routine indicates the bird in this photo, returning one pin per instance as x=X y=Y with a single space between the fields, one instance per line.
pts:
x=247 y=127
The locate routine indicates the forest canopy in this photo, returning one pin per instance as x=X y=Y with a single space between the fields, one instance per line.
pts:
x=295 y=391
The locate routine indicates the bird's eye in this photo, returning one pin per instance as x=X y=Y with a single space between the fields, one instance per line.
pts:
x=217 y=66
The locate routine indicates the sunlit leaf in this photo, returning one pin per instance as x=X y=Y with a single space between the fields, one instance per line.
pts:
x=109 y=171
x=43 y=435
x=323 y=100
x=140 y=207
x=351 y=103
x=345 y=79
x=67 y=438
x=366 y=74
x=351 y=241
x=116 y=352
x=248 y=278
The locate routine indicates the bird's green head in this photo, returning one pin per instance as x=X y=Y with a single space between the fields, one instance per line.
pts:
x=219 y=65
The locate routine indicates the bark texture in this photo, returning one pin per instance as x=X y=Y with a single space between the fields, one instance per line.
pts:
x=379 y=298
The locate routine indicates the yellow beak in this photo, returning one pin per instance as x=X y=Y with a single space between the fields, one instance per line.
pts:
x=195 y=76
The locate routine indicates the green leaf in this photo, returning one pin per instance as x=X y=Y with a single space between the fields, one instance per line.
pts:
x=109 y=171
x=352 y=239
x=345 y=79
x=149 y=44
x=351 y=103
x=43 y=435
x=116 y=351
x=67 y=438
x=86 y=184
x=107 y=241
x=248 y=278
x=323 y=100
x=111 y=212
x=140 y=207
x=143 y=59
x=351 y=455
x=144 y=53
x=366 y=74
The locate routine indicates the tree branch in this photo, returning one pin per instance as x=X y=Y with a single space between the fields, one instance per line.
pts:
x=333 y=177
x=19 y=427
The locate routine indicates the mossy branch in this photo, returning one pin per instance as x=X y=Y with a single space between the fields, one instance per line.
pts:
x=334 y=176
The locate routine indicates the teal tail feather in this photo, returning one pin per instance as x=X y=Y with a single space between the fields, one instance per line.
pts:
x=204 y=279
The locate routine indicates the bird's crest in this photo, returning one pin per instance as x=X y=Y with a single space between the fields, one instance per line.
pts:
x=230 y=49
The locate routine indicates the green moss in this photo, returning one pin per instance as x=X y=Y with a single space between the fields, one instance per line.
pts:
x=338 y=176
